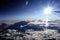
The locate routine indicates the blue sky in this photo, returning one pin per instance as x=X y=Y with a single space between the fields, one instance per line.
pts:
x=17 y=9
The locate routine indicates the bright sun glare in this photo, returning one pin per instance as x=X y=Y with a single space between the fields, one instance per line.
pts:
x=48 y=10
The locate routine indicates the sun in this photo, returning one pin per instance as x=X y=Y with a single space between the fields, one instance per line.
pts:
x=48 y=10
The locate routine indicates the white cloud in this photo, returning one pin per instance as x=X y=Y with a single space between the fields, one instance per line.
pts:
x=27 y=2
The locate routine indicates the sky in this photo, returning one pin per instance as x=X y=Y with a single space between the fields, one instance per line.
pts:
x=19 y=9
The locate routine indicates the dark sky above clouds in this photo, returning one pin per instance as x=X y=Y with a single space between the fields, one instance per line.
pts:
x=10 y=9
